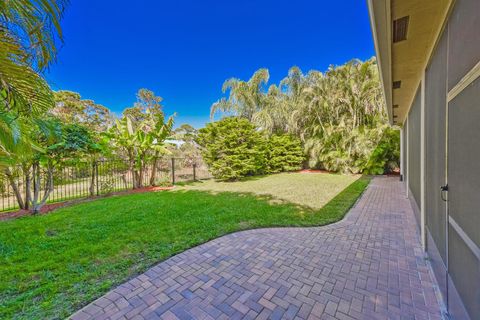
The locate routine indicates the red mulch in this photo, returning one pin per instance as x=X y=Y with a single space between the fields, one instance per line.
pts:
x=53 y=206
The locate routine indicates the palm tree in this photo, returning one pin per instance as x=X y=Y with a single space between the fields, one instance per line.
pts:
x=245 y=97
x=29 y=33
x=338 y=115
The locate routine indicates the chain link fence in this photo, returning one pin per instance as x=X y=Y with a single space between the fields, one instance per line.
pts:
x=94 y=178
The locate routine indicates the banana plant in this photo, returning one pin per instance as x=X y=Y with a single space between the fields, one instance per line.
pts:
x=160 y=133
x=142 y=142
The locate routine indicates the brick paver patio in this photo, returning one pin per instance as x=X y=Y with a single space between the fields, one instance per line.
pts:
x=368 y=266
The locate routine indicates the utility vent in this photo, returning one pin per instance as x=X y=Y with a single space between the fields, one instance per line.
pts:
x=400 y=28
x=396 y=84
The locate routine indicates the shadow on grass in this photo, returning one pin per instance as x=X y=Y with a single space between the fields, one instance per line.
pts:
x=333 y=211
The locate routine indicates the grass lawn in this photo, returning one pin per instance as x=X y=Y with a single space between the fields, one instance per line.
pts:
x=52 y=265
x=306 y=189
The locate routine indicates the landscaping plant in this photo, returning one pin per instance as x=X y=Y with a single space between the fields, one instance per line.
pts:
x=339 y=115
x=232 y=148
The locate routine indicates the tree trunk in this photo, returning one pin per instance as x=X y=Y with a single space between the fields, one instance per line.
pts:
x=154 y=169
x=140 y=175
x=15 y=188
x=92 y=180
x=131 y=168
x=37 y=206
x=141 y=171
x=124 y=179
x=36 y=185
x=28 y=185
x=134 y=175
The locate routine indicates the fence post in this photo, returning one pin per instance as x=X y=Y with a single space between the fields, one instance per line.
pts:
x=194 y=171
x=173 y=171
x=96 y=177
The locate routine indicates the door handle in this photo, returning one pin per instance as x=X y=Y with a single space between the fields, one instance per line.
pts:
x=443 y=189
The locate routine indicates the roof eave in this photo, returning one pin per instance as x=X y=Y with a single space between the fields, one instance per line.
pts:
x=380 y=21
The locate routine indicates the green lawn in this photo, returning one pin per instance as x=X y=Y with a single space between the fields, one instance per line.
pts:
x=305 y=189
x=54 y=264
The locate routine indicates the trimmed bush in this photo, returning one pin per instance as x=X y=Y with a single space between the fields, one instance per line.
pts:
x=284 y=153
x=232 y=148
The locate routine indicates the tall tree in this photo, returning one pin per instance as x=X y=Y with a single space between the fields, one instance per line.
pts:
x=147 y=103
x=29 y=35
x=245 y=98
x=141 y=133
x=71 y=108
x=338 y=115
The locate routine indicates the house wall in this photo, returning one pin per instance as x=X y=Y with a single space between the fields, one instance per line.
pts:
x=448 y=137
x=403 y=165
x=464 y=197
x=413 y=155
x=435 y=164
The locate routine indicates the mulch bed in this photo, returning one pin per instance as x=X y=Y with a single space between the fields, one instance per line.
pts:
x=53 y=206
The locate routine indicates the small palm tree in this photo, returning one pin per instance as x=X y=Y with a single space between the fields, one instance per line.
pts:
x=29 y=33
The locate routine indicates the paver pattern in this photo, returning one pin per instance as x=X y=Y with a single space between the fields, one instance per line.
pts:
x=368 y=266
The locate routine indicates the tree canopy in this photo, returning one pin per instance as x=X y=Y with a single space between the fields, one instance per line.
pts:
x=339 y=115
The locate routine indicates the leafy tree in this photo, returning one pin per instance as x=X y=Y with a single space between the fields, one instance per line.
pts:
x=245 y=98
x=147 y=103
x=284 y=153
x=57 y=143
x=29 y=32
x=188 y=149
x=185 y=132
x=71 y=108
x=142 y=138
x=385 y=157
x=232 y=148
x=78 y=144
x=338 y=115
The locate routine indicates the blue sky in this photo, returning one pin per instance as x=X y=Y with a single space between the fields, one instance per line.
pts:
x=185 y=49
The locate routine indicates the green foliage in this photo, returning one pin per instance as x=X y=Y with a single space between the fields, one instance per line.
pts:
x=284 y=153
x=147 y=104
x=232 y=148
x=72 y=109
x=140 y=135
x=29 y=31
x=338 y=115
x=385 y=157
x=75 y=141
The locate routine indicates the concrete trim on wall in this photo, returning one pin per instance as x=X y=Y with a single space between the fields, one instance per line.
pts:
x=447 y=248
x=423 y=221
x=406 y=161
x=402 y=169
x=463 y=235
x=471 y=76
x=416 y=209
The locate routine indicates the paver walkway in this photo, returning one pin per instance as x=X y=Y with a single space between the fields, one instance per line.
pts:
x=368 y=266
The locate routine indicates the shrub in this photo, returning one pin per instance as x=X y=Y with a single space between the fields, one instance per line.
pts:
x=232 y=148
x=284 y=153
x=386 y=155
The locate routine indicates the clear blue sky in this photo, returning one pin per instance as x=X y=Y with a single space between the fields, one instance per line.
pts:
x=184 y=49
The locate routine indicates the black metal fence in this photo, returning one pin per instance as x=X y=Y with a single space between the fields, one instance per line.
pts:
x=94 y=178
